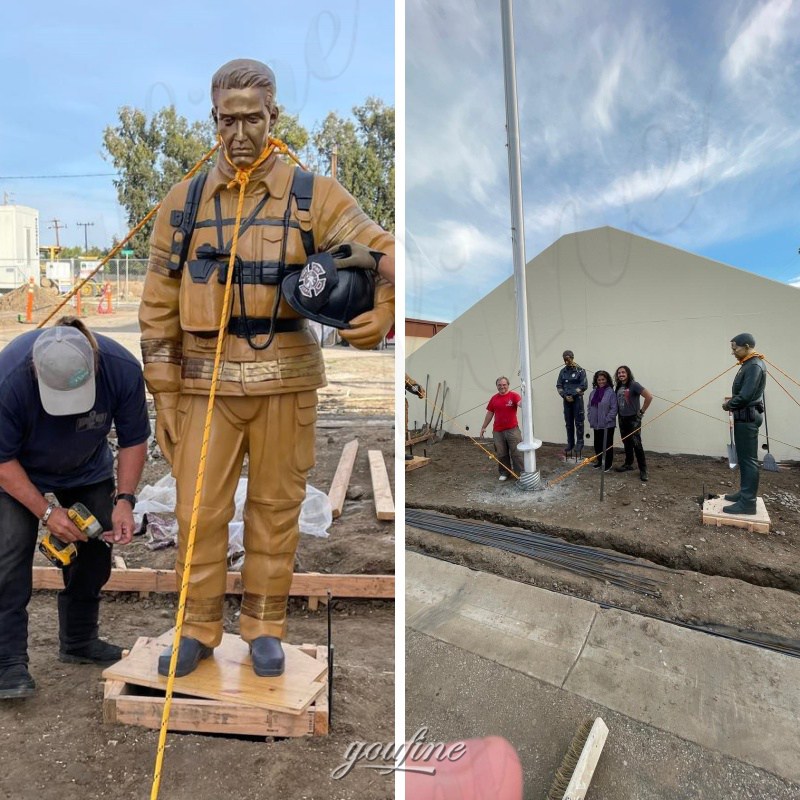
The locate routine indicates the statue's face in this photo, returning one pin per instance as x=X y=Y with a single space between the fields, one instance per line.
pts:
x=244 y=120
x=740 y=350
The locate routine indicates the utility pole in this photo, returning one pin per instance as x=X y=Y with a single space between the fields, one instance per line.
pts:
x=334 y=161
x=57 y=225
x=85 y=226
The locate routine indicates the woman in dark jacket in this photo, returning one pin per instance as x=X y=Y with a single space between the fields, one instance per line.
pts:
x=603 y=418
x=631 y=411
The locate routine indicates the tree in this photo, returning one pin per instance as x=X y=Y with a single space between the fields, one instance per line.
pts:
x=365 y=156
x=151 y=155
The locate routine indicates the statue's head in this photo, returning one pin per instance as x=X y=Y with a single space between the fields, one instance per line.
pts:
x=244 y=109
x=742 y=345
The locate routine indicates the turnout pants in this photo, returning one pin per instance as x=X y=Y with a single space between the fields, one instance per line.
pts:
x=277 y=434
x=633 y=442
x=573 y=419
x=78 y=601
x=745 y=437
x=505 y=445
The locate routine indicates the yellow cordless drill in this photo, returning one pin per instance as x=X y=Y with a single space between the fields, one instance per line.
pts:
x=62 y=554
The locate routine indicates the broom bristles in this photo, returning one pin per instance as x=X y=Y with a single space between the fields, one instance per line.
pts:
x=570 y=761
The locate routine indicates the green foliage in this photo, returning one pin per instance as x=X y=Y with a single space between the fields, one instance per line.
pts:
x=365 y=156
x=153 y=153
x=150 y=155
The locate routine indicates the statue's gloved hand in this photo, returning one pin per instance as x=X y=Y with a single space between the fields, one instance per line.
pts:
x=352 y=255
x=167 y=423
x=368 y=329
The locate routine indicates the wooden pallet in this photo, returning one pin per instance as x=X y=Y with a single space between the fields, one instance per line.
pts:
x=712 y=514
x=416 y=463
x=126 y=703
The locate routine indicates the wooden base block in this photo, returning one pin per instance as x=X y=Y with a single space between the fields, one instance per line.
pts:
x=713 y=514
x=129 y=704
x=416 y=463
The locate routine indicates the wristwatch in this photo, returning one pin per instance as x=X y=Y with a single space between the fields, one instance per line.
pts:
x=131 y=498
x=47 y=512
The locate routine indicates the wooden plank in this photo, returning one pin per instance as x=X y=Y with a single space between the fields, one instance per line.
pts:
x=590 y=755
x=341 y=480
x=122 y=704
x=304 y=584
x=381 y=489
x=712 y=514
x=416 y=463
x=423 y=437
x=227 y=675
x=119 y=562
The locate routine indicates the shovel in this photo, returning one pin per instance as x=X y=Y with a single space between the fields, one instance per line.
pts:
x=769 y=464
x=732 y=460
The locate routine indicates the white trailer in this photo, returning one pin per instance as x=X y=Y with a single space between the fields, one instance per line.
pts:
x=19 y=246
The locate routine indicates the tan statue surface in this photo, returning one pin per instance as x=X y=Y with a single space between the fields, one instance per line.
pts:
x=271 y=367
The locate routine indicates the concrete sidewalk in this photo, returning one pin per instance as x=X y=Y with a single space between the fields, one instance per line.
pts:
x=733 y=698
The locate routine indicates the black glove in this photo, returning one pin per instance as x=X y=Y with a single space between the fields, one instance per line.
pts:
x=352 y=255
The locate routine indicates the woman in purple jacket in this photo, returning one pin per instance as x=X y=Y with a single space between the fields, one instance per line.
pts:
x=603 y=418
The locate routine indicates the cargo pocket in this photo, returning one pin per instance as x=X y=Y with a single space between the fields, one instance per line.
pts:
x=201 y=296
x=306 y=415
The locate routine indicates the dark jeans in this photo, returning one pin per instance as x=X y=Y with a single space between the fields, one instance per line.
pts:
x=79 y=601
x=609 y=445
x=633 y=443
x=573 y=419
x=505 y=445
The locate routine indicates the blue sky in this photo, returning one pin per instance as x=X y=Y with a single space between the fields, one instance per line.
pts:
x=68 y=67
x=678 y=121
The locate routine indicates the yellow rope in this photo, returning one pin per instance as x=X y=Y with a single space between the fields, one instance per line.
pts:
x=242 y=177
x=782 y=373
x=114 y=250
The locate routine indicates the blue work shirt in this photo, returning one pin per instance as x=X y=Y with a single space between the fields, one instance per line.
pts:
x=69 y=451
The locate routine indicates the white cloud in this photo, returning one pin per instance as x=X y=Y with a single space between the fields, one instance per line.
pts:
x=758 y=38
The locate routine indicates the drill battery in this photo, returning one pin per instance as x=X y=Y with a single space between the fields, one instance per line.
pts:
x=62 y=554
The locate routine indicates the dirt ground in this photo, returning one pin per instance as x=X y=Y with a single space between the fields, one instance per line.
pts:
x=55 y=744
x=724 y=577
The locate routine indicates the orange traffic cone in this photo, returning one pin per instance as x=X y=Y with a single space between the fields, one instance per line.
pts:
x=28 y=305
x=105 y=306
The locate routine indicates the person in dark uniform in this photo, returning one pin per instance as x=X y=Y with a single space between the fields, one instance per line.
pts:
x=61 y=390
x=747 y=407
x=571 y=384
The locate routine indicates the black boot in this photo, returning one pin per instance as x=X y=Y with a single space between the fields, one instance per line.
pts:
x=190 y=654
x=95 y=652
x=267 y=655
x=733 y=497
x=740 y=507
x=16 y=682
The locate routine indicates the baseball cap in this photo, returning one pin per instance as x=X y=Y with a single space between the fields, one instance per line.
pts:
x=328 y=295
x=64 y=362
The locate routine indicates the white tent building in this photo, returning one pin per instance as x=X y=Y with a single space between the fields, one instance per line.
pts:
x=615 y=298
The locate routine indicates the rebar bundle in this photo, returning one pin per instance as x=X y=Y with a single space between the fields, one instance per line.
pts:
x=590 y=562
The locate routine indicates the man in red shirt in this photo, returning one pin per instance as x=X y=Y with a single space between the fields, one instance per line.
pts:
x=506 y=433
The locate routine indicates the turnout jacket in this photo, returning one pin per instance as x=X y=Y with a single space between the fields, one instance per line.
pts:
x=748 y=385
x=180 y=312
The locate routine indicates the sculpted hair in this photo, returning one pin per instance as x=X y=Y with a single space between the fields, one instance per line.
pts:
x=244 y=73
x=619 y=382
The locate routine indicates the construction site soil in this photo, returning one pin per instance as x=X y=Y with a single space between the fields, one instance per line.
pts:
x=55 y=744
x=721 y=577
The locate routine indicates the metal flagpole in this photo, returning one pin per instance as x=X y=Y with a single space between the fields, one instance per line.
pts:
x=530 y=478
